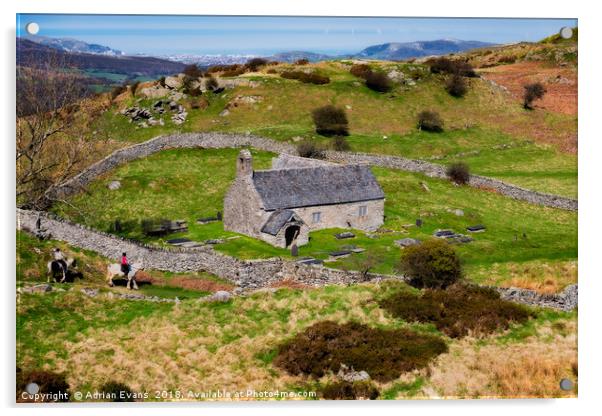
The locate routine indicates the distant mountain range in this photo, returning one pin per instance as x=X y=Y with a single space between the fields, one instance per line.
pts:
x=397 y=50
x=102 y=58
x=31 y=54
x=74 y=45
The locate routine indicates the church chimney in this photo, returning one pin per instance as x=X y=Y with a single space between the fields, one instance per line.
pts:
x=244 y=164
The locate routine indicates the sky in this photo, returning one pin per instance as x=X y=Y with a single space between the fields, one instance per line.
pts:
x=161 y=35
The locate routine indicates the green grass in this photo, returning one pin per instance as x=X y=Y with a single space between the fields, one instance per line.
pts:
x=188 y=184
x=171 y=292
x=481 y=121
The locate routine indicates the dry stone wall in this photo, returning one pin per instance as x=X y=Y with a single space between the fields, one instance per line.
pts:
x=243 y=273
x=223 y=140
x=247 y=274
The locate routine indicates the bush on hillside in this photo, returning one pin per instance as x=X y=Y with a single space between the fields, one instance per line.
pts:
x=211 y=83
x=234 y=72
x=134 y=87
x=193 y=71
x=340 y=143
x=534 y=91
x=192 y=86
x=330 y=121
x=345 y=390
x=378 y=81
x=117 y=392
x=256 y=63
x=302 y=61
x=430 y=121
x=47 y=381
x=445 y=65
x=456 y=86
x=458 y=173
x=117 y=91
x=360 y=70
x=383 y=353
x=311 y=78
x=309 y=148
x=457 y=311
x=431 y=264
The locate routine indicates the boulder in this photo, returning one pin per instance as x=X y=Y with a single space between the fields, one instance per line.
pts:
x=156 y=91
x=43 y=288
x=173 y=82
x=350 y=375
x=219 y=296
x=114 y=185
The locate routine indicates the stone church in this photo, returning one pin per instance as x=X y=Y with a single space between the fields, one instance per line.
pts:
x=298 y=195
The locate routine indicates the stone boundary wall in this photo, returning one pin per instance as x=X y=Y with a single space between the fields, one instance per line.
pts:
x=224 y=140
x=567 y=300
x=248 y=274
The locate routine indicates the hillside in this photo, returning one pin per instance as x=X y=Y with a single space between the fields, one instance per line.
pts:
x=30 y=54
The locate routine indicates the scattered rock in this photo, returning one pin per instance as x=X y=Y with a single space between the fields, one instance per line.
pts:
x=350 y=375
x=225 y=112
x=219 y=296
x=173 y=82
x=88 y=291
x=42 y=288
x=396 y=76
x=344 y=235
x=114 y=185
x=406 y=242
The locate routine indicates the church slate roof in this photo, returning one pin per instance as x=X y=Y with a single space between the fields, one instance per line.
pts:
x=276 y=221
x=323 y=185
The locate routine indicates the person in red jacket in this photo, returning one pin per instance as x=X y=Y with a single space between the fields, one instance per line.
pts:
x=125 y=264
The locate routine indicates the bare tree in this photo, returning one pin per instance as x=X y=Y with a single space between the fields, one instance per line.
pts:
x=51 y=143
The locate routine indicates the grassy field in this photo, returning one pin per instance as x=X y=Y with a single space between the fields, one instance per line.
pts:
x=201 y=347
x=190 y=184
x=487 y=128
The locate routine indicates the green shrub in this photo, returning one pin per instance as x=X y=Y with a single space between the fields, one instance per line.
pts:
x=431 y=264
x=345 y=390
x=309 y=148
x=117 y=392
x=383 y=354
x=340 y=143
x=430 y=121
x=330 y=121
x=534 y=91
x=47 y=381
x=378 y=81
x=457 y=311
x=456 y=86
x=458 y=173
